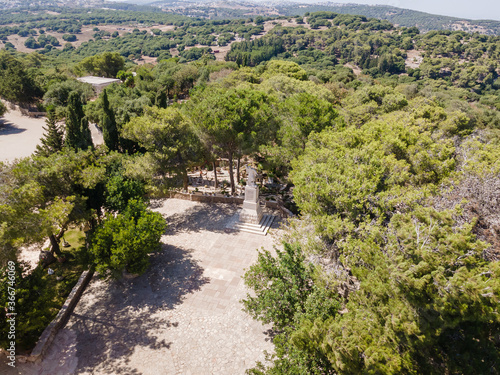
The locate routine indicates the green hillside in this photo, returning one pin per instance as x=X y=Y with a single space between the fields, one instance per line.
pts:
x=403 y=17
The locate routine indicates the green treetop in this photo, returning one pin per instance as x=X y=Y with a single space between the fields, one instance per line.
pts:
x=170 y=143
x=427 y=303
x=231 y=120
x=52 y=140
x=108 y=124
x=123 y=241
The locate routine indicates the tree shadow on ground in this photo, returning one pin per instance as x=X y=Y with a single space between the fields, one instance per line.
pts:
x=8 y=128
x=157 y=203
x=271 y=333
x=118 y=317
x=204 y=216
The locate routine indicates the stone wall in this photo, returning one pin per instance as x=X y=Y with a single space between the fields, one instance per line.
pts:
x=199 y=197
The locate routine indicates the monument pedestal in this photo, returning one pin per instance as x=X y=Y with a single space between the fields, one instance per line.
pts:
x=251 y=211
x=251 y=217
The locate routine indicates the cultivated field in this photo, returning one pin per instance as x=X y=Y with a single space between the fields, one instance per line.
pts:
x=87 y=34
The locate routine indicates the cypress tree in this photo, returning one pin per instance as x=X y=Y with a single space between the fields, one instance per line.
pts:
x=108 y=123
x=77 y=127
x=52 y=140
x=86 y=134
x=73 y=121
x=161 y=99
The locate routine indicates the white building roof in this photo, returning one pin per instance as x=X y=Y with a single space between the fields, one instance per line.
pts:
x=98 y=80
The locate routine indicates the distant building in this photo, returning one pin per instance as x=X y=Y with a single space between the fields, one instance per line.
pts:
x=98 y=83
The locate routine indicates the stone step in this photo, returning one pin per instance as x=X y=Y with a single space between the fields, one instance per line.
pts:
x=262 y=228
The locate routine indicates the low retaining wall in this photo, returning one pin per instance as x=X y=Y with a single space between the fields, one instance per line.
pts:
x=60 y=320
x=285 y=212
x=197 y=197
x=29 y=113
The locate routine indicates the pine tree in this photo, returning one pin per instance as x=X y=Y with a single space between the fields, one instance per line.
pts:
x=52 y=140
x=108 y=123
x=161 y=99
x=77 y=127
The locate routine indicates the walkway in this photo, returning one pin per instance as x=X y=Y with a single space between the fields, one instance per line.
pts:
x=19 y=135
x=182 y=317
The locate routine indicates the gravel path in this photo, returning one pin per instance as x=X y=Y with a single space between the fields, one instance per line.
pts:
x=19 y=135
x=182 y=316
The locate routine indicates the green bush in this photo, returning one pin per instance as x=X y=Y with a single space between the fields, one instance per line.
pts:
x=35 y=304
x=123 y=242
x=69 y=37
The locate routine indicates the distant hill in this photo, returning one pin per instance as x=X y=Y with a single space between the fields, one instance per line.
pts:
x=11 y=4
x=132 y=5
x=225 y=9
x=398 y=16
x=402 y=17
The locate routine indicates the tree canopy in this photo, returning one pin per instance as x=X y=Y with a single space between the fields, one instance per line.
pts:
x=383 y=141
x=123 y=242
x=167 y=136
x=229 y=120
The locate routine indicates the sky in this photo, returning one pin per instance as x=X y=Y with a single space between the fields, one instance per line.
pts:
x=471 y=9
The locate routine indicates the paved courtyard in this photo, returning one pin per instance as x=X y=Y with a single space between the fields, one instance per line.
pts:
x=182 y=316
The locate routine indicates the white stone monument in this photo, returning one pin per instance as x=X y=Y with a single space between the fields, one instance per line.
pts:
x=251 y=212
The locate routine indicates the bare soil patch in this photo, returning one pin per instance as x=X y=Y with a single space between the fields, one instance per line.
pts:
x=221 y=55
x=269 y=25
x=413 y=58
x=145 y=60
x=356 y=70
x=86 y=35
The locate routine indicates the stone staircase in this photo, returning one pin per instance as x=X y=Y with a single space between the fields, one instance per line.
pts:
x=262 y=228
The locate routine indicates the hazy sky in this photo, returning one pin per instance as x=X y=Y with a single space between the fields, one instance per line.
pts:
x=472 y=9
